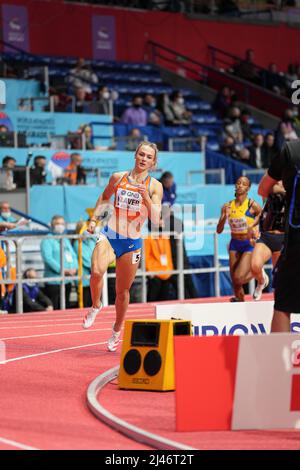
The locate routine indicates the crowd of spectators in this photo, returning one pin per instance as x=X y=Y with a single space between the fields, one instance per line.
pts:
x=275 y=80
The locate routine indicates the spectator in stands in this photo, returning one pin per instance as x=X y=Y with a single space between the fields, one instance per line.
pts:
x=82 y=76
x=61 y=101
x=5 y=213
x=135 y=114
x=88 y=245
x=81 y=105
x=169 y=188
x=223 y=101
x=244 y=155
x=182 y=115
x=246 y=69
x=290 y=77
x=286 y=129
x=34 y=300
x=134 y=138
x=269 y=148
x=232 y=125
x=273 y=80
x=102 y=104
x=154 y=115
x=257 y=155
x=74 y=172
x=246 y=128
x=164 y=106
x=50 y=250
x=38 y=170
x=228 y=147
x=7 y=174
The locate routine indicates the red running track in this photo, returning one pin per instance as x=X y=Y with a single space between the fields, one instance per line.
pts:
x=51 y=361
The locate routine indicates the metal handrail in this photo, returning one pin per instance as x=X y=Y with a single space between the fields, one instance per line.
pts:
x=180 y=271
x=274 y=103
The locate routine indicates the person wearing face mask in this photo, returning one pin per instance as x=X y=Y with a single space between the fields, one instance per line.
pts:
x=34 y=300
x=50 y=250
x=101 y=105
x=135 y=115
x=182 y=115
x=5 y=213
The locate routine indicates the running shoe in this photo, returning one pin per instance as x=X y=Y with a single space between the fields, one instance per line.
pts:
x=260 y=287
x=113 y=341
x=236 y=299
x=91 y=317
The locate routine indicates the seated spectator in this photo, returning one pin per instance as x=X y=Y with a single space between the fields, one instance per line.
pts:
x=228 y=147
x=269 y=149
x=257 y=155
x=88 y=245
x=163 y=105
x=246 y=69
x=154 y=115
x=50 y=250
x=7 y=177
x=134 y=138
x=232 y=125
x=245 y=126
x=169 y=188
x=244 y=155
x=273 y=80
x=82 y=76
x=290 y=77
x=38 y=170
x=34 y=300
x=81 y=104
x=286 y=129
x=74 y=173
x=135 y=114
x=223 y=101
x=5 y=213
x=102 y=104
x=60 y=101
x=182 y=115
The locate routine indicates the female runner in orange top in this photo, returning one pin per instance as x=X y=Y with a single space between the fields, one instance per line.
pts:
x=137 y=196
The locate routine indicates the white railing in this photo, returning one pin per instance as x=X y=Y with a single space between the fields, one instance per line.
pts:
x=180 y=271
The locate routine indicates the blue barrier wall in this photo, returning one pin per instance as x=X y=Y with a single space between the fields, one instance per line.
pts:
x=16 y=89
x=179 y=163
x=39 y=126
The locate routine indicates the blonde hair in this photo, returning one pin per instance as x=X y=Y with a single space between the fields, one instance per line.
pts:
x=151 y=145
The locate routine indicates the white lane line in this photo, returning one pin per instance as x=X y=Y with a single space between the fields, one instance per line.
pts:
x=57 y=334
x=51 y=352
x=19 y=445
x=47 y=325
x=64 y=319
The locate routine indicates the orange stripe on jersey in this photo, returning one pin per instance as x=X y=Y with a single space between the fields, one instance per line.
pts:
x=127 y=197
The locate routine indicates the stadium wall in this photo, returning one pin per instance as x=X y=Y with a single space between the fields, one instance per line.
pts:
x=59 y=28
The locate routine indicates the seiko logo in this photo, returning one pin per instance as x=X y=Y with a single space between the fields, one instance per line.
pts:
x=140 y=381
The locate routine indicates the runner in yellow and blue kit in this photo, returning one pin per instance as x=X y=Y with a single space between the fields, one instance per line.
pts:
x=242 y=214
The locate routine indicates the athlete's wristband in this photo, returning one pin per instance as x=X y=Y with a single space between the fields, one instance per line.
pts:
x=93 y=220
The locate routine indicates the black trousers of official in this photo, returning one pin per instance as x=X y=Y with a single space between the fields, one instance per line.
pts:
x=53 y=292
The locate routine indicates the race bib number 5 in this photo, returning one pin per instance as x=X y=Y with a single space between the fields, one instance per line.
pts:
x=136 y=257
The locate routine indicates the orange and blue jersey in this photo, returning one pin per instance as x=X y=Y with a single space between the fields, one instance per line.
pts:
x=128 y=203
x=128 y=199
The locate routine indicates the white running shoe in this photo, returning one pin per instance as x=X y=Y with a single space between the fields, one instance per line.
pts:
x=113 y=341
x=90 y=317
x=260 y=287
